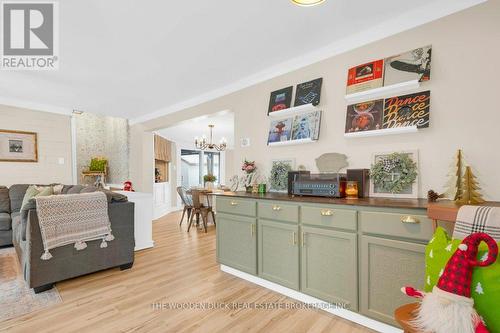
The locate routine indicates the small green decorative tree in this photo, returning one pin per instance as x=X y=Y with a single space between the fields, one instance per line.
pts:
x=454 y=185
x=470 y=194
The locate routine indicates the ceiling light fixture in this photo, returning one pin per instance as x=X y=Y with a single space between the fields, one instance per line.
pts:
x=307 y=3
x=203 y=144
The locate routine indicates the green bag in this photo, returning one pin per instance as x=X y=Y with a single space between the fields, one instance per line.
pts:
x=485 y=287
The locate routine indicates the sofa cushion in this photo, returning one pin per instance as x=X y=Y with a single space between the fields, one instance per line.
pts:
x=4 y=200
x=5 y=221
x=16 y=194
x=75 y=189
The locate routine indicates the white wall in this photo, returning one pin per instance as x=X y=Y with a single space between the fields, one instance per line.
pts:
x=54 y=142
x=464 y=113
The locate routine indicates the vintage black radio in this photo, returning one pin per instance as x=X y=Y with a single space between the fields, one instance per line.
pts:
x=320 y=185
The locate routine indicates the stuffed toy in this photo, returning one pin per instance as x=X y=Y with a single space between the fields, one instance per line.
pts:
x=127 y=186
x=449 y=307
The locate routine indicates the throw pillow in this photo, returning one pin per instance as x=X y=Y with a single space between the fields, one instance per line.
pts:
x=31 y=192
x=58 y=188
x=485 y=287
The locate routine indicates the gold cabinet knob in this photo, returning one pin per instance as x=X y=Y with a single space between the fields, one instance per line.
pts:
x=326 y=212
x=233 y=203
x=276 y=208
x=409 y=219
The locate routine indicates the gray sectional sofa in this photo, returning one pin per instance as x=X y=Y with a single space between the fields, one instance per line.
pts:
x=20 y=228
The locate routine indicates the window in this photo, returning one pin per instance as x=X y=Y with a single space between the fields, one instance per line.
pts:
x=195 y=164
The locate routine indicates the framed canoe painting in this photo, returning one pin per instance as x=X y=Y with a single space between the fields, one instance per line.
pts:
x=18 y=146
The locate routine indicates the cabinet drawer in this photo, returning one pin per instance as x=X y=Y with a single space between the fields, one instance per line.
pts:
x=327 y=216
x=405 y=225
x=279 y=211
x=237 y=206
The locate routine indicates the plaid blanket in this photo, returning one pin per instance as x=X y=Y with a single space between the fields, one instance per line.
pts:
x=73 y=218
x=473 y=219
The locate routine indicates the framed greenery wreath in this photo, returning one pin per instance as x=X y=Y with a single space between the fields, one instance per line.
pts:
x=394 y=173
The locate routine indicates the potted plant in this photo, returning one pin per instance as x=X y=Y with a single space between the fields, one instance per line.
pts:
x=209 y=181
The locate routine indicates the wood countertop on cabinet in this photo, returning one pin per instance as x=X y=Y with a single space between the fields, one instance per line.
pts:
x=372 y=202
x=447 y=210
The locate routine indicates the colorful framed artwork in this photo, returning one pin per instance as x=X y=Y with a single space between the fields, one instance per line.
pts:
x=365 y=77
x=306 y=126
x=407 y=110
x=18 y=146
x=280 y=130
x=395 y=175
x=408 y=66
x=280 y=99
x=308 y=92
x=366 y=116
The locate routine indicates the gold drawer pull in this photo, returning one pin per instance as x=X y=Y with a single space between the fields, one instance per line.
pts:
x=326 y=212
x=294 y=238
x=233 y=203
x=252 y=230
x=303 y=238
x=410 y=219
x=276 y=208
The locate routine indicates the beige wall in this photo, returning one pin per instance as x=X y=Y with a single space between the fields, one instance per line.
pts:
x=464 y=112
x=54 y=142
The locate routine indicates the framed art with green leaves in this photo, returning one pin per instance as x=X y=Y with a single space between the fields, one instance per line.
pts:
x=395 y=175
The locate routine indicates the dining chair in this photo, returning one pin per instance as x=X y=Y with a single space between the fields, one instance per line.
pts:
x=187 y=201
x=200 y=209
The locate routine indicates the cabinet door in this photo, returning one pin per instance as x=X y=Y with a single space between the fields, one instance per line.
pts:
x=279 y=253
x=386 y=266
x=329 y=267
x=237 y=242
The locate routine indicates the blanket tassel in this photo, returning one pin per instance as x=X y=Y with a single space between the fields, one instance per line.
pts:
x=80 y=245
x=46 y=255
x=103 y=243
x=109 y=238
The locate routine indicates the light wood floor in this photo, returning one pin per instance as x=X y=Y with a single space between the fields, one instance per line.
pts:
x=181 y=268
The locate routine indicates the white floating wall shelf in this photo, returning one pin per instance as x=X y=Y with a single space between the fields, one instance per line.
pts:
x=381 y=132
x=377 y=93
x=285 y=113
x=291 y=142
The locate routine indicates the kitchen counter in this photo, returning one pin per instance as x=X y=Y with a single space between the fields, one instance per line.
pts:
x=371 y=202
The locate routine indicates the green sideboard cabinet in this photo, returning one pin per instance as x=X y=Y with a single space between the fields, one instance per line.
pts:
x=278 y=253
x=386 y=266
x=355 y=253
x=237 y=242
x=329 y=267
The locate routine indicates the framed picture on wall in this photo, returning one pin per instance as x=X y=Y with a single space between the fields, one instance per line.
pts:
x=365 y=77
x=395 y=175
x=408 y=66
x=278 y=178
x=280 y=130
x=308 y=92
x=365 y=116
x=306 y=126
x=407 y=110
x=280 y=99
x=18 y=146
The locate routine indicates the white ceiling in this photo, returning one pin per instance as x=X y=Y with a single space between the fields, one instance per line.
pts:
x=185 y=131
x=142 y=59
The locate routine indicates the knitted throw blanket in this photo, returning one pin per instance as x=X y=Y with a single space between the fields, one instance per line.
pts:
x=73 y=219
x=471 y=219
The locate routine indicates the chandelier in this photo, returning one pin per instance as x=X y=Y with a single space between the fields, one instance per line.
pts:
x=307 y=3
x=203 y=144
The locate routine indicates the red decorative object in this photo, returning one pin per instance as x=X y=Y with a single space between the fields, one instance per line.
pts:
x=449 y=307
x=127 y=186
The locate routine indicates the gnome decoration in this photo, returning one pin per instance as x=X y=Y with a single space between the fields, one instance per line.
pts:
x=127 y=186
x=449 y=307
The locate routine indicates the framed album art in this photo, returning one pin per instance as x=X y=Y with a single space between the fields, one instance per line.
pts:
x=407 y=110
x=280 y=99
x=18 y=146
x=411 y=65
x=365 y=77
x=308 y=92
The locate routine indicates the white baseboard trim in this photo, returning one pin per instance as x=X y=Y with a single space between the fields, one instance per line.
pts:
x=144 y=246
x=346 y=314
